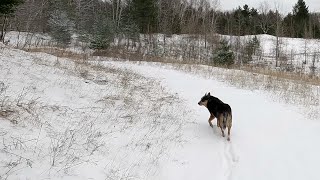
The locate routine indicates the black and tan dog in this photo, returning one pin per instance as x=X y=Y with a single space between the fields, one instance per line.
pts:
x=218 y=110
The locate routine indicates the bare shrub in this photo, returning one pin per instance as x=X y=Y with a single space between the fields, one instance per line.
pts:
x=6 y=106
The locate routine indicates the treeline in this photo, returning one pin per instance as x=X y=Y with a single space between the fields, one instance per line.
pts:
x=245 y=20
x=100 y=21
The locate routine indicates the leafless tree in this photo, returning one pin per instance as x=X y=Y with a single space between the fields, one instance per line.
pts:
x=265 y=20
x=279 y=33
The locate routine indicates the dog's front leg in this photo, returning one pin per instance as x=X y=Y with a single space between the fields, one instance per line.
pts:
x=210 y=119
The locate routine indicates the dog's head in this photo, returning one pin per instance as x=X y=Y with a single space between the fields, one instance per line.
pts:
x=204 y=100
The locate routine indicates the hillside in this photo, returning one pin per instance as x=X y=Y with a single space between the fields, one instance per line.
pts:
x=296 y=54
x=105 y=119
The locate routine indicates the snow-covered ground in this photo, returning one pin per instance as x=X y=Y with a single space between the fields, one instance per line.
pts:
x=270 y=140
x=62 y=119
x=27 y=40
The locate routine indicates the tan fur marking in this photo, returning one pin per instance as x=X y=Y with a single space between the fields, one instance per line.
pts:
x=204 y=103
x=211 y=119
x=229 y=124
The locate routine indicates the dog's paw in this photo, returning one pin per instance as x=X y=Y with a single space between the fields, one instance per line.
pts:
x=228 y=139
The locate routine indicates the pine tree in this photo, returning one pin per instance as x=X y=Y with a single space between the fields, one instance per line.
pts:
x=251 y=49
x=60 y=27
x=145 y=14
x=103 y=33
x=301 y=18
x=60 y=22
x=223 y=56
x=7 y=8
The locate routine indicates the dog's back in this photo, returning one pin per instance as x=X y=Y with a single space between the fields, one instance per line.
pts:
x=214 y=105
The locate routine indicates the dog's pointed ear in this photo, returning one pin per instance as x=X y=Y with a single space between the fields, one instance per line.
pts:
x=209 y=94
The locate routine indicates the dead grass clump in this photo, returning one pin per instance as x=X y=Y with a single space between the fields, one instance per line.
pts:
x=18 y=109
x=6 y=106
x=297 y=77
x=59 y=52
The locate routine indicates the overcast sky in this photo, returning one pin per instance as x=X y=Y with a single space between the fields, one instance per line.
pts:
x=285 y=6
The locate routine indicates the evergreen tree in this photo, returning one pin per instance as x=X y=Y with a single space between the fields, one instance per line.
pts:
x=7 y=8
x=60 y=22
x=288 y=24
x=103 y=33
x=253 y=21
x=223 y=56
x=60 y=27
x=129 y=28
x=251 y=49
x=246 y=19
x=301 y=18
x=145 y=14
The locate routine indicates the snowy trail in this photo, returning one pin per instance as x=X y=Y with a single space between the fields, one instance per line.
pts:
x=269 y=140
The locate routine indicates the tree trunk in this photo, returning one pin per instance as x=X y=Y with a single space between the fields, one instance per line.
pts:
x=3 y=28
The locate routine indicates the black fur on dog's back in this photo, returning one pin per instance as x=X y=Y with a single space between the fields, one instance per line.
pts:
x=218 y=108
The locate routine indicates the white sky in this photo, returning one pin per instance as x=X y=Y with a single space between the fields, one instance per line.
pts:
x=285 y=6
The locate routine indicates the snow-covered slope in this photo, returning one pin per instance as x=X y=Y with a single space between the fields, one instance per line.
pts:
x=61 y=119
x=296 y=54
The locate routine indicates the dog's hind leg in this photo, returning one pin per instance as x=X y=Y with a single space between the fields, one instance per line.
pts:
x=229 y=124
x=222 y=132
x=220 y=121
x=229 y=128
x=210 y=119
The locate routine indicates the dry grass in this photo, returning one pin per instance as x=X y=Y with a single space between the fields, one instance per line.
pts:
x=297 y=77
x=131 y=56
x=6 y=106
x=246 y=76
x=291 y=87
x=59 y=52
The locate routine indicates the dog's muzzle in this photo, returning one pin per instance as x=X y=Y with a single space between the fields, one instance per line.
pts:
x=199 y=103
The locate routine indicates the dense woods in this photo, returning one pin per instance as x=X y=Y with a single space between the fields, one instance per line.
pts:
x=158 y=16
